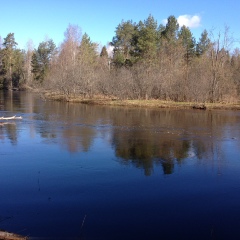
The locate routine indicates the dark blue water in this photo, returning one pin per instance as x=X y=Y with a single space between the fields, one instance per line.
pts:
x=72 y=171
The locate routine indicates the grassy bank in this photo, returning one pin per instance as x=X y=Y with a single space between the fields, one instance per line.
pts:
x=144 y=103
x=163 y=104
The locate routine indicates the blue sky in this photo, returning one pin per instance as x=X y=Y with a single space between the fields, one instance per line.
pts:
x=37 y=20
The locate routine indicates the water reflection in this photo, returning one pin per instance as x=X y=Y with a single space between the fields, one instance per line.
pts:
x=168 y=137
x=140 y=137
x=8 y=130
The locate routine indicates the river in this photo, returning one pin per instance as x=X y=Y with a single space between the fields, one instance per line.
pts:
x=73 y=171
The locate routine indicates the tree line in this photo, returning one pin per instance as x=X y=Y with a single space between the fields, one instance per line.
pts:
x=149 y=61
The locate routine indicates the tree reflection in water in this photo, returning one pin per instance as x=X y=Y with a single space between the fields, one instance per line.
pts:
x=141 y=137
x=168 y=137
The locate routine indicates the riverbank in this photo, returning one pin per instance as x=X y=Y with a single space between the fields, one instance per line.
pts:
x=144 y=103
x=164 y=104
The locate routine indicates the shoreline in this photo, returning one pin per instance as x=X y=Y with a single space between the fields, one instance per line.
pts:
x=153 y=103
x=163 y=104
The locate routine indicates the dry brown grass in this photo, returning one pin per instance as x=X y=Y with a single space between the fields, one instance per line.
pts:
x=161 y=104
x=99 y=100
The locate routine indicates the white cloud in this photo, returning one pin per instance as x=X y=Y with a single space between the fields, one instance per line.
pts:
x=164 y=21
x=187 y=20
x=110 y=50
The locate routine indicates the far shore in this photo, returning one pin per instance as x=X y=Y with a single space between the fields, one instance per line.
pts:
x=152 y=103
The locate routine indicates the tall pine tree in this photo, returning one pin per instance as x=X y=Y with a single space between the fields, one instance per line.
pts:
x=123 y=42
x=203 y=44
x=188 y=42
x=41 y=59
x=104 y=53
x=146 y=44
x=11 y=63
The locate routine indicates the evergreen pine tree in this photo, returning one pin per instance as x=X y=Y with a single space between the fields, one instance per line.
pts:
x=203 y=43
x=87 y=50
x=9 y=57
x=146 y=44
x=104 y=52
x=188 y=42
x=41 y=59
x=123 y=42
x=171 y=30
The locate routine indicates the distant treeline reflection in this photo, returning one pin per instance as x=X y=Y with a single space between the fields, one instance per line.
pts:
x=141 y=137
x=165 y=137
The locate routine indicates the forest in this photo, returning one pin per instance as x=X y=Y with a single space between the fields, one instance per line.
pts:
x=148 y=61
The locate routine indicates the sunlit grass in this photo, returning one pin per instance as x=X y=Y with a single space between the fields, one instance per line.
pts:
x=151 y=103
x=162 y=104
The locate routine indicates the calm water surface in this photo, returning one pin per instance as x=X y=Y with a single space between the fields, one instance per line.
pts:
x=72 y=171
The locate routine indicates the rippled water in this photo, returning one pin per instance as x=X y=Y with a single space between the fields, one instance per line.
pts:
x=72 y=171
